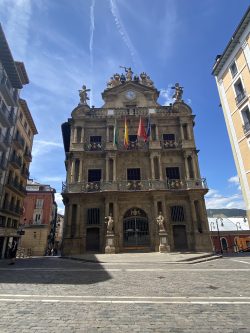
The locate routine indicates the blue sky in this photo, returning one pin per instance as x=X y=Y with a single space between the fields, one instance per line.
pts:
x=66 y=43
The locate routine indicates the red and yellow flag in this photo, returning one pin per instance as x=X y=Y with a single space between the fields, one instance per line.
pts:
x=126 y=133
x=141 y=133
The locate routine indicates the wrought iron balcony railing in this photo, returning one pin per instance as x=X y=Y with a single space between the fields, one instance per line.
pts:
x=94 y=146
x=246 y=128
x=16 y=161
x=135 y=185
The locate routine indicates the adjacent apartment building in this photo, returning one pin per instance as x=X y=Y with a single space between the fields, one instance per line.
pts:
x=232 y=74
x=132 y=162
x=17 y=129
x=39 y=219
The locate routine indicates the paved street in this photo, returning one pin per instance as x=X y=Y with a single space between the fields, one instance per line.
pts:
x=63 y=295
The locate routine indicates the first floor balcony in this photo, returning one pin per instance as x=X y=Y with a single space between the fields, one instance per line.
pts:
x=135 y=185
x=4 y=141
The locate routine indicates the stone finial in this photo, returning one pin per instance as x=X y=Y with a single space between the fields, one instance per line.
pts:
x=178 y=92
x=83 y=95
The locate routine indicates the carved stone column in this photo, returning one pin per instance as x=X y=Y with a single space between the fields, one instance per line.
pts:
x=68 y=220
x=152 y=167
x=72 y=175
x=82 y=135
x=107 y=134
x=186 y=167
x=80 y=170
x=160 y=168
x=107 y=168
x=114 y=169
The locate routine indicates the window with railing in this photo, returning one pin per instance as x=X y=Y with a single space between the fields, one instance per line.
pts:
x=94 y=175
x=246 y=119
x=240 y=92
x=177 y=214
x=168 y=137
x=93 y=216
x=134 y=174
x=173 y=173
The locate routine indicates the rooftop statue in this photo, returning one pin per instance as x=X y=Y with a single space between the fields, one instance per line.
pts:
x=178 y=92
x=83 y=95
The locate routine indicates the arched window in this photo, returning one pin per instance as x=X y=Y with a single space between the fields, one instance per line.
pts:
x=224 y=244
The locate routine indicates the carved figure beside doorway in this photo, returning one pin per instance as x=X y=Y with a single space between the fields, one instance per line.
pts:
x=160 y=221
x=110 y=223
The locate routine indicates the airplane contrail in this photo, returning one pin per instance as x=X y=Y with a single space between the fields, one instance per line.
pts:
x=122 y=31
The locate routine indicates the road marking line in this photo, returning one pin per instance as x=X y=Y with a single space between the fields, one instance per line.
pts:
x=126 y=297
x=244 y=262
x=124 y=301
x=130 y=269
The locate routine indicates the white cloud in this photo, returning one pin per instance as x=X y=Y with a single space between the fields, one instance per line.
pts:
x=48 y=179
x=17 y=26
x=214 y=200
x=167 y=94
x=60 y=207
x=41 y=147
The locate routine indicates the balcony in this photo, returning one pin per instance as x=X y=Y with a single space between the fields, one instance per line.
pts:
x=170 y=144
x=246 y=128
x=135 y=185
x=16 y=187
x=25 y=173
x=240 y=97
x=9 y=94
x=27 y=156
x=3 y=164
x=4 y=142
x=16 y=161
x=10 y=207
x=133 y=145
x=7 y=118
x=19 y=142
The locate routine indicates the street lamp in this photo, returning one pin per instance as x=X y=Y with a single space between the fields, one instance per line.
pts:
x=218 y=230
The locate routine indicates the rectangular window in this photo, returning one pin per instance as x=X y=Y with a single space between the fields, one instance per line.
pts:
x=177 y=214
x=94 y=175
x=168 y=137
x=134 y=174
x=185 y=131
x=239 y=90
x=132 y=138
x=233 y=69
x=246 y=119
x=173 y=173
x=39 y=203
x=95 y=139
x=93 y=216
x=78 y=134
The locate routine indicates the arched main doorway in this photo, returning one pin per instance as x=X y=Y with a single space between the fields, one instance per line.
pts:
x=135 y=229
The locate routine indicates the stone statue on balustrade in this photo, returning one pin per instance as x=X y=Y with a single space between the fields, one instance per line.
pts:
x=178 y=92
x=83 y=95
x=110 y=223
x=160 y=221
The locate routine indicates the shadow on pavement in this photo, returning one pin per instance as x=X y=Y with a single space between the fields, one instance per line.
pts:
x=52 y=270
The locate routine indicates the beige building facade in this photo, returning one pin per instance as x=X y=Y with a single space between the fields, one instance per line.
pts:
x=16 y=136
x=232 y=74
x=132 y=184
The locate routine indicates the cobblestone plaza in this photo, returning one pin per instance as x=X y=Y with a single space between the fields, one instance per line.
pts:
x=130 y=295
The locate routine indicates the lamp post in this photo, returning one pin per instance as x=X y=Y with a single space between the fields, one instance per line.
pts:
x=218 y=230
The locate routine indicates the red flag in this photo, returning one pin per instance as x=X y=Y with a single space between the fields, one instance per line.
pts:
x=141 y=133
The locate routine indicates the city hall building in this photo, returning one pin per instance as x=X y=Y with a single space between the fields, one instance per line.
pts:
x=130 y=161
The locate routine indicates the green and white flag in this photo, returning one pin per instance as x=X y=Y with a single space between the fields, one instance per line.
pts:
x=115 y=141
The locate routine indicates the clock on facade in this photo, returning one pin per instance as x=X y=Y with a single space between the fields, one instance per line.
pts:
x=130 y=94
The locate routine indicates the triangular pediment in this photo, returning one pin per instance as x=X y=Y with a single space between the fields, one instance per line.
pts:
x=130 y=93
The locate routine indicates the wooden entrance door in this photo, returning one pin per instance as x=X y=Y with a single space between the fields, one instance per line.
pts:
x=93 y=239
x=180 y=237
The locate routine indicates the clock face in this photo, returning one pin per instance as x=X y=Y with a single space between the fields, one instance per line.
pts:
x=130 y=94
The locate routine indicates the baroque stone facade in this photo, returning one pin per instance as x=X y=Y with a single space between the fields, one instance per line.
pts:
x=134 y=176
